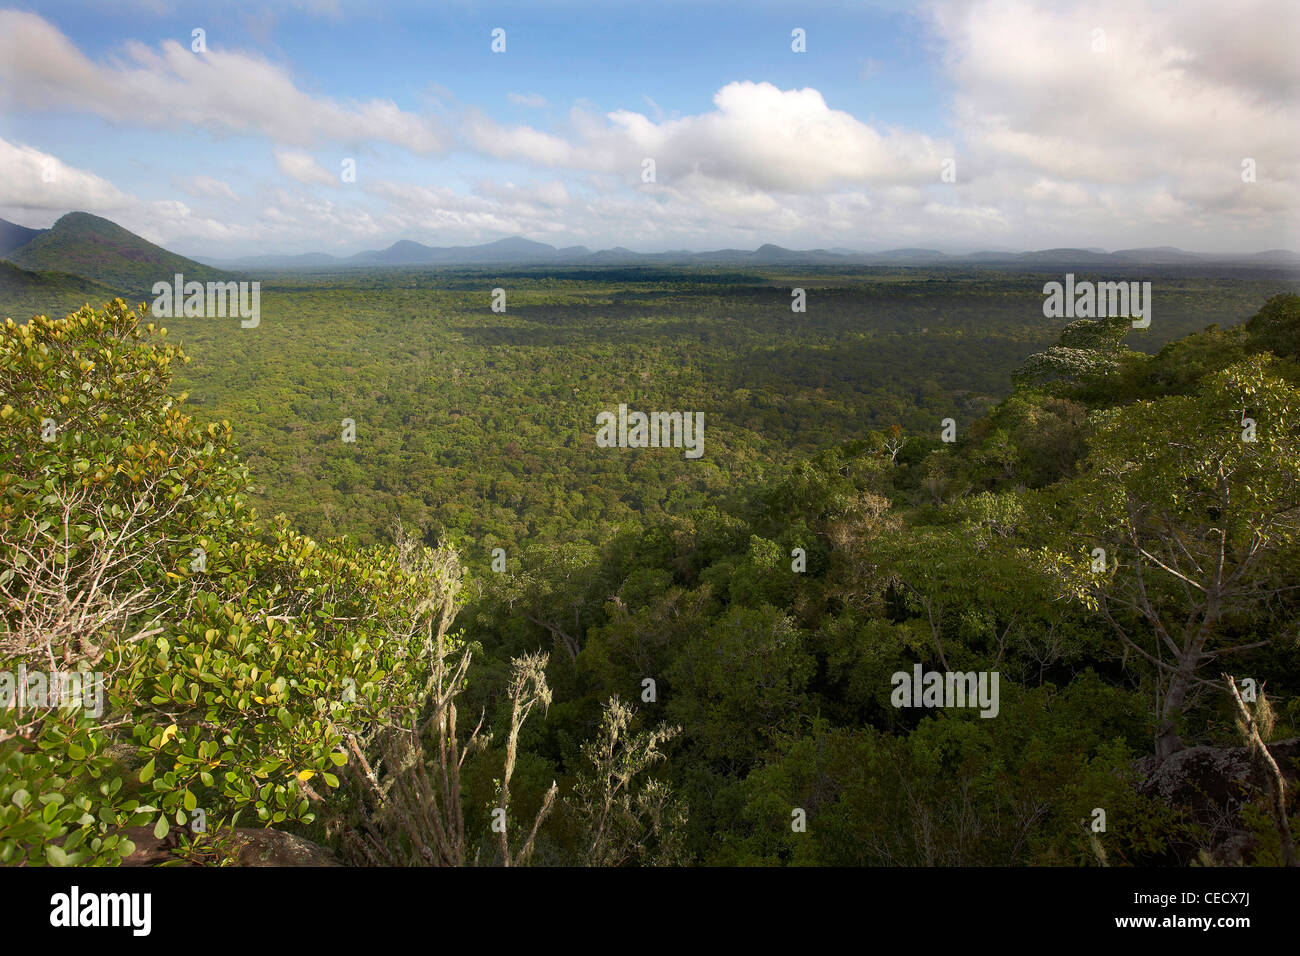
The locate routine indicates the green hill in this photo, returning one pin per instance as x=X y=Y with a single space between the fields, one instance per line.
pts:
x=98 y=249
x=24 y=294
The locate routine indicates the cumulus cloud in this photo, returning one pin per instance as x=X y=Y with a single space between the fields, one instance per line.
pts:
x=36 y=188
x=162 y=221
x=541 y=195
x=1059 y=139
x=500 y=141
x=1145 y=106
x=440 y=214
x=757 y=137
x=33 y=180
x=1113 y=121
x=221 y=90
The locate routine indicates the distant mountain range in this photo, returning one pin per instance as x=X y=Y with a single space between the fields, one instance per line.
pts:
x=83 y=245
x=527 y=252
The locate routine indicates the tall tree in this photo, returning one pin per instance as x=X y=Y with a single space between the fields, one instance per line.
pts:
x=1191 y=504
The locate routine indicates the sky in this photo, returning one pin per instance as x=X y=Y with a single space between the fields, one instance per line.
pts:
x=947 y=124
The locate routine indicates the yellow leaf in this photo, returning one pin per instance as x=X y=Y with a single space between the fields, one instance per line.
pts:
x=169 y=733
x=305 y=775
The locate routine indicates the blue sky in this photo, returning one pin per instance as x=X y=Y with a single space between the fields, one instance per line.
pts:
x=610 y=54
x=1048 y=137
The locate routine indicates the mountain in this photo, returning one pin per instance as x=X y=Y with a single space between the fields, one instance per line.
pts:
x=618 y=255
x=514 y=249
x=98 y=249
x=1163 y=255
x=14 y=236
x=511 y=249
x=86 y=245
x=990 y=255
x=402 y=252
x=1282 y=257
x=770 y=253
x=517 y=250
x=1069 y=255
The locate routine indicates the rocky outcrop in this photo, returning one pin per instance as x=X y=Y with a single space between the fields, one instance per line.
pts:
x=1212 y=784
x=252 y=847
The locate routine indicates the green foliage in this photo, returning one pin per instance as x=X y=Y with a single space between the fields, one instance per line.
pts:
x=625 y=818
x=959 y=790
x=1089 y=349
x=58 y=797
x=232 y=674
x=1276 y=327
x=250 y=664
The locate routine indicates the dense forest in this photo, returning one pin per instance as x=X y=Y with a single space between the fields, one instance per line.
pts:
x=457 y=631
x=477 y=426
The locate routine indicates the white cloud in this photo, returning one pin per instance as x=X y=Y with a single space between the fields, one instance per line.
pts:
x=163 y=221
x=487 y=136
x=1151 y=124
x=221 y=90
x=757 y=137
x=1056 y=144
x=33 y=180
x=548 y=195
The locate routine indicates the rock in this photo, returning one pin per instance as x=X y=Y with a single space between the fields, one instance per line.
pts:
x=149 y=850
x=253 y=847
x=276 y=848
x=1212 y=784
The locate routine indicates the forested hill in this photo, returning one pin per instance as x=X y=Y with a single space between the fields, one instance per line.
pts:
x=103 y=252
x=719 y=684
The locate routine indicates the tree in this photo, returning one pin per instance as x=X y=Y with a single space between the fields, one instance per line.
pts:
x=547 y=585
x=405 y=779
x=1194 y=501
x=625 y=819
x=1276 y=327
x=235 y=654
x=1088 y=349
x=106 y=490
